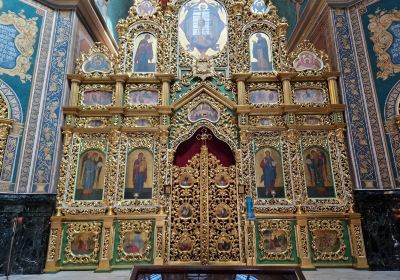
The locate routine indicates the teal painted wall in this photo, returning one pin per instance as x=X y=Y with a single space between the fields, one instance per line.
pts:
x=19 y=86
x=112 y=12
x=383 y=87
x=22 y=89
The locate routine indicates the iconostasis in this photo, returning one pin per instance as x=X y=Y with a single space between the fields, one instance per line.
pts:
x=203 y=109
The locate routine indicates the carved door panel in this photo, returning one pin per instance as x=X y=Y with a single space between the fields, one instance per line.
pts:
x=204 y=212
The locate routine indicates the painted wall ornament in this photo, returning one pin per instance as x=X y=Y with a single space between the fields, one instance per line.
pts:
x=97 y=63
x=385 y=35
x=145 y=53
x=260 y=53
x=308 y=61
x=18 y=36
x=202 y=28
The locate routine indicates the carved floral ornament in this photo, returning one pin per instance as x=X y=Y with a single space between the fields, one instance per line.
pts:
x=385 y=35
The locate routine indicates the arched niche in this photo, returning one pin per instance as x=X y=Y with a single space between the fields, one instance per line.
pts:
x=192 y=146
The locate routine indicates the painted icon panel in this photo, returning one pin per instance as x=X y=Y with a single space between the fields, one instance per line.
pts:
x=134 y=242
x=143 y=97
x=97 y=63
x=97 y=97
x=275 y=241
x=259 y=7
x=269 y=176
x=202 y=28
x=83 y=243
x=203 y=111
x=90 y=179
x=224 y=244
x=261 y=59
x=318 y=173
x=264 y=96
x=145 y=53
x=185 y=211
x=327 y=241
x=307 y=61
x=145 y=8
x=309 y=95
x=139 y=175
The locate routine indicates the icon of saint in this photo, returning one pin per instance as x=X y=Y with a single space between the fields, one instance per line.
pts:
x=261 y=54
x=92 y=165
x=185 y=182
x=316 y=165
x=144 y=55
x=268 y=166
x=139 y=173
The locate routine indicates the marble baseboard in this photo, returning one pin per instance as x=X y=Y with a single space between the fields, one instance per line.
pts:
x=31 y=237
x=381 y=231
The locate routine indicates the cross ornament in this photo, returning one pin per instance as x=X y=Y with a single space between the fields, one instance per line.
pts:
x=204 y=136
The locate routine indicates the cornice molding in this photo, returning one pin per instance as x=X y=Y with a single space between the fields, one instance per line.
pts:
x=88 y=16
x=342 y=3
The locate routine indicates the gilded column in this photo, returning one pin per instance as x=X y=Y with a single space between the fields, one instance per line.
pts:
x=303 y=244
x=287 y=87
x=54 y=248
x=333 y=89
x=166 y=80
x=74 y=93
x=241 y=87
x=4 y=130
x=357 y=241
x=160 y=245
x=106 y=244
x=119 y=89
x=250 y=242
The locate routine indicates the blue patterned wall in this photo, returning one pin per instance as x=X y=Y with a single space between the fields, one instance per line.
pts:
x=365 y=93
x=35 y=94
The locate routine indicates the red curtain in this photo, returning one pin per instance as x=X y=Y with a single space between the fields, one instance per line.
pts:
x=191 y=147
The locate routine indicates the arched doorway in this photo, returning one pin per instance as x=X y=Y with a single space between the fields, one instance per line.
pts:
x=204 y=225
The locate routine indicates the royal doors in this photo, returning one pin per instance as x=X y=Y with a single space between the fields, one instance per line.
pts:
x=204 y=212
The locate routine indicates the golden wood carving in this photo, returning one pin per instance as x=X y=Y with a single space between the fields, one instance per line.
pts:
x=189 y=221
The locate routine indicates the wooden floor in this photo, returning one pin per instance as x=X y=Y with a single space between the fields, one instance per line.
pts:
x=320 y=274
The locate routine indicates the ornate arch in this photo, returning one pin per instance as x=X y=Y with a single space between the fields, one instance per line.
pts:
x=12 y=101
x=392 y=119
x=10 y=113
